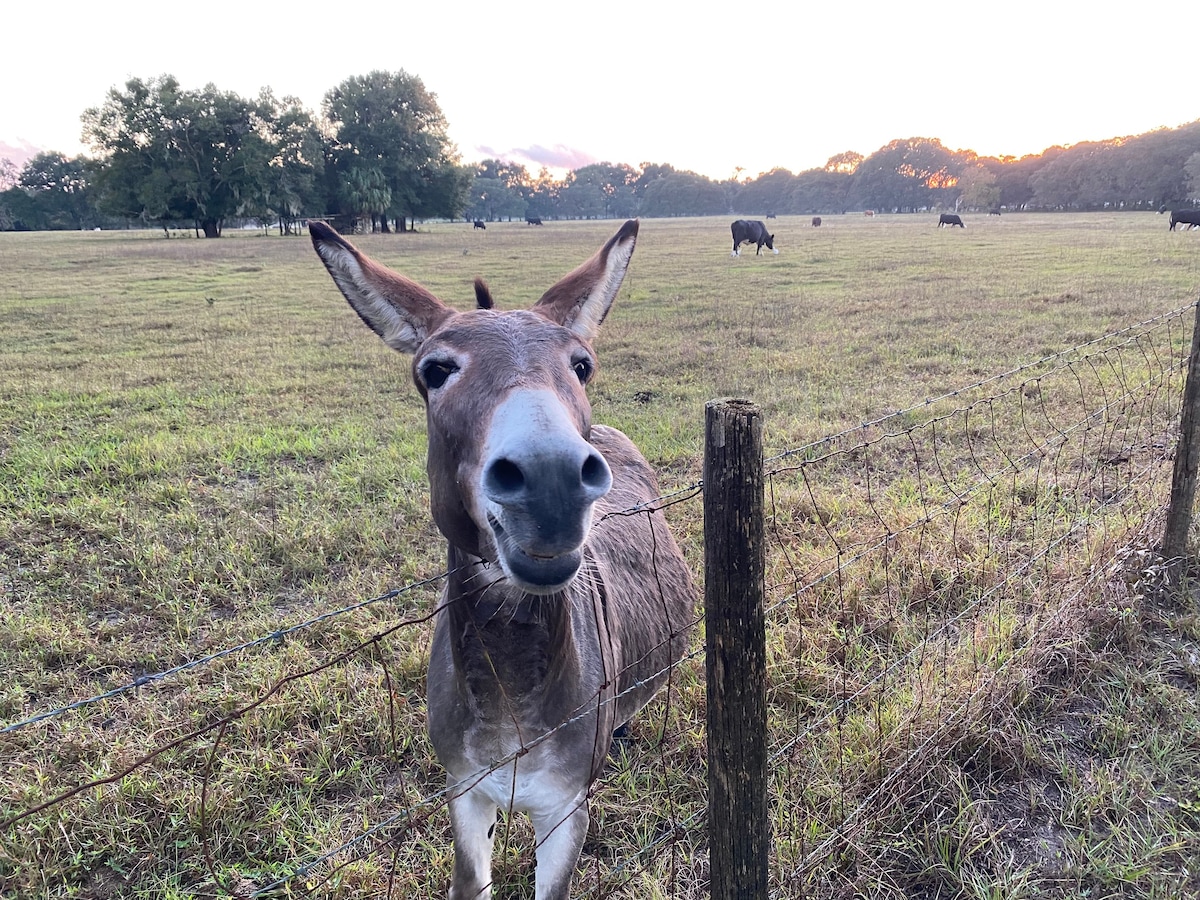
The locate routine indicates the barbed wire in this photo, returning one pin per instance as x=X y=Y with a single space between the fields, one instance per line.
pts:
x=654 y=505
x=850 y=822
x=273 y=637
x=949 y=395
x=964 y=487
x=957 y=501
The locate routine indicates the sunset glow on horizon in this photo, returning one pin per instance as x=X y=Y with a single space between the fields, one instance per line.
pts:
x=790 y=90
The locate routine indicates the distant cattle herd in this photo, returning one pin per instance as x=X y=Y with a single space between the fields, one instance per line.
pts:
x=749 y=231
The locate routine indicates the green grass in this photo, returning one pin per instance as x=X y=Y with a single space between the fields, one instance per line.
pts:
x=200 y=444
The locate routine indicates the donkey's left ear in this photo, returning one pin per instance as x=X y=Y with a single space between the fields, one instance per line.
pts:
x=581 y=300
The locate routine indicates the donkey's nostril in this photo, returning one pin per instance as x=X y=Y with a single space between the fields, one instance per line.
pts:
x=504 y=477
x=595 y=473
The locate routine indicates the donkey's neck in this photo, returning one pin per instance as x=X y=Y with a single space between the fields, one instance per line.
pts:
x=511 y=649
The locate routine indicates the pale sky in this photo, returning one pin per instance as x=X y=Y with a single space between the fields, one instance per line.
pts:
x=712 y=87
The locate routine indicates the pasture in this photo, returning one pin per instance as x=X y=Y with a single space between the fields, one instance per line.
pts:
x=201 y=445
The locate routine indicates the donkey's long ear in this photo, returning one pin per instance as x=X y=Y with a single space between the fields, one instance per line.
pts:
x=581 y=300
x=398 y=310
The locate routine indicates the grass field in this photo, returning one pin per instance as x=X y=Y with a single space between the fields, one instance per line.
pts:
x=201 y=444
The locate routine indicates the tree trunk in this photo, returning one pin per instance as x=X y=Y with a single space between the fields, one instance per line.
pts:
x=212 y=228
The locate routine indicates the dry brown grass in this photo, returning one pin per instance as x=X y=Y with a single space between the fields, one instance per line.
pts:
x=199 y=444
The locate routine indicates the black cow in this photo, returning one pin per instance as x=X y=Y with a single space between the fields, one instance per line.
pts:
x=479 y=224
x=770 y=215
x=533 y=220
x=816 y=221
x=1188 y=217
x=747 y=232
x=994 y=211
x=950 y=219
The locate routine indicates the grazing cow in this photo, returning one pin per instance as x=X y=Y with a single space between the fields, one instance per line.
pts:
x=950 y=219
x=533 y=220
x=1188 y=217
x=748 y=232
x=994 y=211
x=562 y=613
x=770 y=215
x=479 y=224
x=816 y=222
x=868 y=212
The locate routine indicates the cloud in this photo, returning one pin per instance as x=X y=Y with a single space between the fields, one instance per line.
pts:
x=535 y=156
x=20 y=152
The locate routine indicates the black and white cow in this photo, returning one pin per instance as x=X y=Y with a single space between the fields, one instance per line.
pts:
x=950 y=219
x=1188 y=217
x=748 y=232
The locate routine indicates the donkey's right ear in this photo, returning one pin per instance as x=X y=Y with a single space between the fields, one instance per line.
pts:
x=398 y=310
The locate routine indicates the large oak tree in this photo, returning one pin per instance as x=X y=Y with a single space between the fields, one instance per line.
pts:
x=172 y=155
x=391 y=150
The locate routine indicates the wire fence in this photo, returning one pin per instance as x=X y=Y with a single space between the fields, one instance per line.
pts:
x=926 y=569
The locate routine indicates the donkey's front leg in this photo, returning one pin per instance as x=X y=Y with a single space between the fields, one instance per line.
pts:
x=473 y=822
x=560 y=834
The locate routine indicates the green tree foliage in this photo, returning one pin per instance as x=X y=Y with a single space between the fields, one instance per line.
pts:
x=296 y=172
x=1012 y=176
x=444 y=192
x=1144 y=172
x=651 y=172
x=906 y=175
x=8 y=174
x=1192 y=167
x=600 y=190
x=820 y=191
x=769 y=193
x=683 y=194
x=544 y=196
x=389 y=132
x=977 y=187
x=50 y=193
x=845 y=163
x=499 y=190
x=172 y=155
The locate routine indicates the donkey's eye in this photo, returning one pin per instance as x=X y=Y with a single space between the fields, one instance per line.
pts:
x=583 y=370
x=435 y=372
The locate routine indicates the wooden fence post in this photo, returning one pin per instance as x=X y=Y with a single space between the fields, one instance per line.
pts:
x=1187 y=457
x=735 y=651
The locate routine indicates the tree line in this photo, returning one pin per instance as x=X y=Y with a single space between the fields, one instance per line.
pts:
x=169 y=156
x=378 y=158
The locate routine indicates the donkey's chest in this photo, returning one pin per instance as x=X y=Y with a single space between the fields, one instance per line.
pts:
x=508 y=668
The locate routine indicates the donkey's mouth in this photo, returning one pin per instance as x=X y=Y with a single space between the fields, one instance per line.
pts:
x=535 y=573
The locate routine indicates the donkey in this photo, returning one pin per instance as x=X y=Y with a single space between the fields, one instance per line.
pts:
x=560 y=617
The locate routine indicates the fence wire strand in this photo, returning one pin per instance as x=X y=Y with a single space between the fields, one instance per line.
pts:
x=921 y=562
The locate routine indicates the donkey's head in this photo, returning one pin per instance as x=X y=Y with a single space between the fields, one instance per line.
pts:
x=513 y=477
